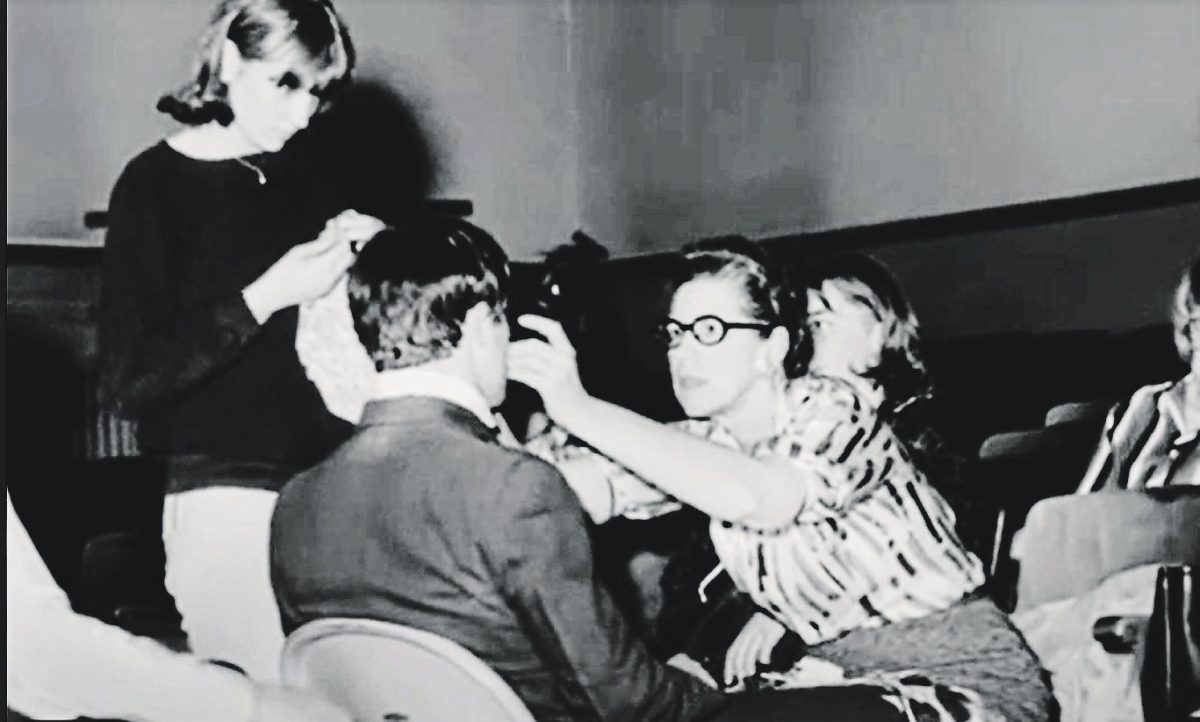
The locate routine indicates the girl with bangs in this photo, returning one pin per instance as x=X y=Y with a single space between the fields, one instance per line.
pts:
x=216 y=234
x=846 y=556
x=866 y=333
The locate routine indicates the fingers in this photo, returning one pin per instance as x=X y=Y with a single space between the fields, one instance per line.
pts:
x=735 y=660
x=550 y=329
x=357 y=227
x=764 y=653
x=537 y=356
x=323 y=262
x=336 y=259
x=528 y=364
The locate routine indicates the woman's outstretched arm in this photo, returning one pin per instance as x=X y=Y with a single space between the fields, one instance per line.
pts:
x=724 y=483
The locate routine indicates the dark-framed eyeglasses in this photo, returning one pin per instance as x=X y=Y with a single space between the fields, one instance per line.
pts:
x=707 y=330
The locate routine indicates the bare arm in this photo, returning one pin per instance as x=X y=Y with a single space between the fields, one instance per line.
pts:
x=724 y=483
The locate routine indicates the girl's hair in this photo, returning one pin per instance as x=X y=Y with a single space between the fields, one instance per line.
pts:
x=769 y=296
x=262 y=29
x=1185 y=309
x=908 y=405
x=901 y=370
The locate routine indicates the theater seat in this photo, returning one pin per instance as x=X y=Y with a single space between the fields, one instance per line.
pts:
x=1017 y=469
x=383 y=672
x=1092 y=412
x=121 y=583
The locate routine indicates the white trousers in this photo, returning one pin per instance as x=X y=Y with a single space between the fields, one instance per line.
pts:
x=218 y=570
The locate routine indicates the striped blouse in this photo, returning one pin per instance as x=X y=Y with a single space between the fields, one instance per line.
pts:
x=1144 y=444
x=874 y=542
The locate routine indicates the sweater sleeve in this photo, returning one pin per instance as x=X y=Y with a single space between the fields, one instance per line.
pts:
x=545 y=566
x=151 y=348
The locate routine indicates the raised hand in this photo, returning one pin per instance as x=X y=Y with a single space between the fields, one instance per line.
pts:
x=752 y=647
x=305 y=272
x=356 y=228
x=547 y=367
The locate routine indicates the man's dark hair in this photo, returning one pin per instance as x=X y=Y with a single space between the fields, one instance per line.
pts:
x=411 y=288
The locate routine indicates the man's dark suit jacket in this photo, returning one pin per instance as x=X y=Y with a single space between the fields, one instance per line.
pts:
x=421 y=518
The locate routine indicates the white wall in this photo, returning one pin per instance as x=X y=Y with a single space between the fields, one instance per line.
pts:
x=490 y=77
x=775 y=116
x=649 y=122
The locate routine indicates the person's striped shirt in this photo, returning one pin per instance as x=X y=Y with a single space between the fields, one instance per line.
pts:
x=875 y=543
x=1146 y=442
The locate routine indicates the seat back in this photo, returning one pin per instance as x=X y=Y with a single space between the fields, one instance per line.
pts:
x=1092 y=411
x=1095 y=535
x=384 y=672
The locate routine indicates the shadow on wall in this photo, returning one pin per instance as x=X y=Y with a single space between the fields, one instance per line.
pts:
x=375 y=146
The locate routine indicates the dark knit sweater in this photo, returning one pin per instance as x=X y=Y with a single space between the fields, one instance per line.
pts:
x=179 y=349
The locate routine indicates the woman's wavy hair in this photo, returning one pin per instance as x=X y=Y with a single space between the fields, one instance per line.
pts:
x=901 y=370
x=263 y=29
x=769 y=294
x=411 y=288
x=1185 y=309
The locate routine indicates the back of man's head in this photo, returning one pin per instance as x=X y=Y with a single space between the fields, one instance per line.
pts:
x=412 y=286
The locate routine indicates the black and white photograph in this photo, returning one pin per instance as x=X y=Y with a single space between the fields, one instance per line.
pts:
x=603 y=360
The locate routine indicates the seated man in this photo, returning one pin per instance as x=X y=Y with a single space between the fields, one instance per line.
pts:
x=422 y=519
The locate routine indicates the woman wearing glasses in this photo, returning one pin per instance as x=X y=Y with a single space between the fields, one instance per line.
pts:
x=818 y=514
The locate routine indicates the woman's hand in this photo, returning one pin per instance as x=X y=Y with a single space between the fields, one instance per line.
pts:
x=685 y=663
x=752 y=647
x=305 y=272
x=547 y=367
x=356 y=228
x=309 y=270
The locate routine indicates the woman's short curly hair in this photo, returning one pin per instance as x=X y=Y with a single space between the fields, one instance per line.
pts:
x=1185 y=311
x=411 y=288
x=312 y=30
x=769 y=295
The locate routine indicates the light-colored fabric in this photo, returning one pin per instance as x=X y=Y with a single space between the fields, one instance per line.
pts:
x=377 y=669
x=63 y=665
x=1070 y=543
x=217 y=540
x=343 y=373
x=419 y=382
x=1147 y=442
x=332 y=356
x=1091 y=685
x=874 y=544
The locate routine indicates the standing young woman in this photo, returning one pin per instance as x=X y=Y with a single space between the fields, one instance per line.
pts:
x=215 y=235
x=818 y=513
